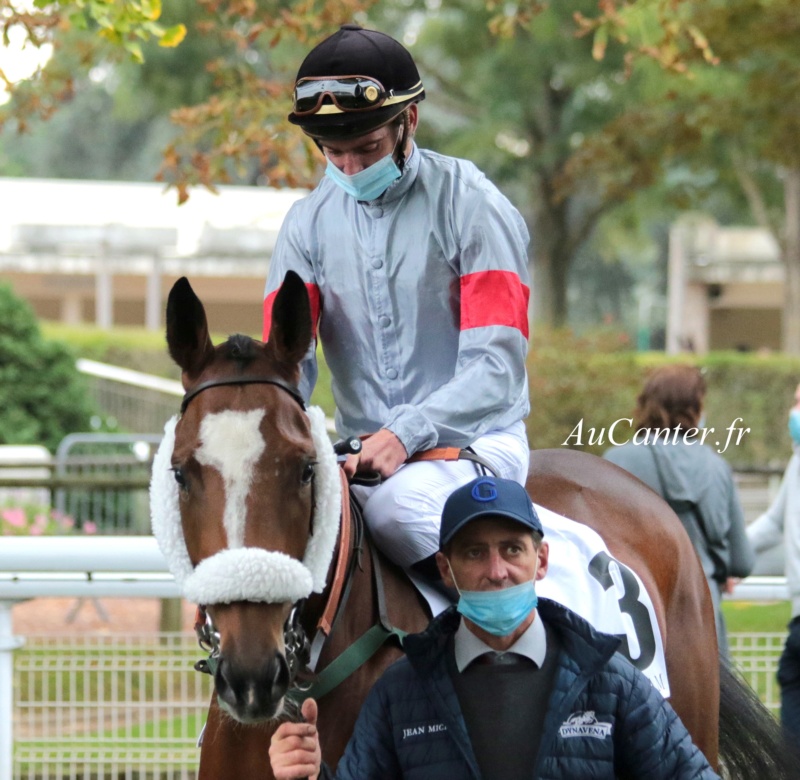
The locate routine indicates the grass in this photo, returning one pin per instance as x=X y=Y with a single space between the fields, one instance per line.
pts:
x=175 y=737
x=753 y=617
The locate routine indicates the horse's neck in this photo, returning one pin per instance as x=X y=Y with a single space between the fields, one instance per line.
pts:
x=372 y=585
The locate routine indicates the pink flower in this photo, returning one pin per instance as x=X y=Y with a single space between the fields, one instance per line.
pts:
x=65 y=521
x=15 y=517
x=39 y=525
x=89 y=527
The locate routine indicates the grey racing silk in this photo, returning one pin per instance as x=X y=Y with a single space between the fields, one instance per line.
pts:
x=420 y=301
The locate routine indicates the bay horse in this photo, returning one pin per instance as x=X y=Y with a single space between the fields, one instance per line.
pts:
x=244 y=491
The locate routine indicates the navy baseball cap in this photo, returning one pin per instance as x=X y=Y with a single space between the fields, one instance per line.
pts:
x=487 y=497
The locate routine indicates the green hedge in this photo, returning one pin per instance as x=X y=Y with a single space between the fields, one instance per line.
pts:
x=596 y=380
x=593 y=378
x=42 y=396
x=134 y=348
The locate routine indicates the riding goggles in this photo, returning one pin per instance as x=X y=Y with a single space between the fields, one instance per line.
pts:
x=346 y=93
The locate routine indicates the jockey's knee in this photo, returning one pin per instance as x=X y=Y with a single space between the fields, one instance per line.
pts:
x=405 y=540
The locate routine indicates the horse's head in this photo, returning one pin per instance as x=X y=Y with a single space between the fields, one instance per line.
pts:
x=245 y=492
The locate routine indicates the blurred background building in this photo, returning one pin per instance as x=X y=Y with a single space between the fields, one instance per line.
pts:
x=108 y=252
x=724 y=288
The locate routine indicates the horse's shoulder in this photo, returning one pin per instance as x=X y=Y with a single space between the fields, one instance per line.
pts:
x=564 y=470
x=626 y=513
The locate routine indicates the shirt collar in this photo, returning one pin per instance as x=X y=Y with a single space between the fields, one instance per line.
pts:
x=400 y=187
x=532 y=644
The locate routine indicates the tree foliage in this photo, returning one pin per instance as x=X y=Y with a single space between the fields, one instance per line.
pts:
x=550 y=122
x=113 y=29
x=239 y=131
x=115 y=124
x=573 y=108
x=745 y=110
x=42 y=396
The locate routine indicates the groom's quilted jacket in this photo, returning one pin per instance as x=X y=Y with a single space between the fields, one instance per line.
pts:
x=645 y=739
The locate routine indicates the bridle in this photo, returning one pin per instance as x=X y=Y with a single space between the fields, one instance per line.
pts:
x=297 y=647
x=242 y=380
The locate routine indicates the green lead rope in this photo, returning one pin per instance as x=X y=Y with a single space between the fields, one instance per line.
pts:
x=338 y=670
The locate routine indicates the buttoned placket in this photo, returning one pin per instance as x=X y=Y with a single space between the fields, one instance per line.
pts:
x=380 y=300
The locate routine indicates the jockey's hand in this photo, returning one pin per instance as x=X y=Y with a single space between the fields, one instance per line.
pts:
x=730 y=584
x=294 y=749
x=382 y=452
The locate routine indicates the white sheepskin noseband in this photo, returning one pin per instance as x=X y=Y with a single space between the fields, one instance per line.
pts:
x=241 y=573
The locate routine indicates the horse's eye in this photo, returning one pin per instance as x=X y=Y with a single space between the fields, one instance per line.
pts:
x=308 y=472
x=180 y=477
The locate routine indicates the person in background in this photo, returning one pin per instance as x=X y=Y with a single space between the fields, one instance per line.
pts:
x=502 y=685
x=781 y=523
x=667 y=454
x=417 y=271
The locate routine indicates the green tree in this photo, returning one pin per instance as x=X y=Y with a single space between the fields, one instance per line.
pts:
x=42 y=397
x=725 y=131
x=242 y=124
x=749 y=106
x=525 y=107
x=569 y=123
x=115 y=123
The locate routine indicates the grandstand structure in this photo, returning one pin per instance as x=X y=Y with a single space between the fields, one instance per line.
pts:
x=108 y=252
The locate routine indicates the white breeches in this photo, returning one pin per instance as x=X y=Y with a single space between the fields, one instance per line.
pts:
x=403 y=513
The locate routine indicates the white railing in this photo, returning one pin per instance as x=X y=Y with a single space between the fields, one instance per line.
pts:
x=65 y=566
x=131 y=706
x=137 y=401
x=760 y=588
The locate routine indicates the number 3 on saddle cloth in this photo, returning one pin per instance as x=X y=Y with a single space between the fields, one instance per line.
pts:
x=583 y=576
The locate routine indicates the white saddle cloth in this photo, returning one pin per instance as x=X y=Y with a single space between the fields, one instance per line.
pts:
x=583 y=576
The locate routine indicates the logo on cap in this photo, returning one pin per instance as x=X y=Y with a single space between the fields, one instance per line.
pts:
x=484 y=490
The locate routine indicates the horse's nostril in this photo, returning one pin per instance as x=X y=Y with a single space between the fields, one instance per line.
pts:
x=255 y=695
x=280 y=676
x=225 y=690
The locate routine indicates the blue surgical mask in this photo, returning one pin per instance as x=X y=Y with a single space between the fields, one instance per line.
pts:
x=368 y=184
x=794 y=426
x=500 y=612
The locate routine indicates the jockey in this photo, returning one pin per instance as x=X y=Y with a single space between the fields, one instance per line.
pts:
x=417 y=270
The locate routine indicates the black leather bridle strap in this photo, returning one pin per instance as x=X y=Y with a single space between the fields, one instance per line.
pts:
x=243 y=380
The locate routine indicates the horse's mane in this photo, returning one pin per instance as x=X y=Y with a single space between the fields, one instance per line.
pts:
x=241 y=349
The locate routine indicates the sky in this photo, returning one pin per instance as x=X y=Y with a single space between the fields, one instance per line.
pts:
x=18 y=61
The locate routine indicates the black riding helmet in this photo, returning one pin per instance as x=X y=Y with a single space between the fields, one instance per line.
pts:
x=354 y=82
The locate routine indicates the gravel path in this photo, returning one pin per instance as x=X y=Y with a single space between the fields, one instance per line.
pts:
x=47 y=616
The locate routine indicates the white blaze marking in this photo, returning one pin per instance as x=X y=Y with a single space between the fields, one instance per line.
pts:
x=231 y=442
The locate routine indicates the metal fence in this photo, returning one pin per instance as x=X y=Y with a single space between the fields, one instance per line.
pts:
x=756 y=656
x=124 y=462
x=95 y=483
x=130 y=707
x=103 y=707
x=132 y=400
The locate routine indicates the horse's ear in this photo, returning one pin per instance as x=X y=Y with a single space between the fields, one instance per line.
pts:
x=187 y=329
x=290 y=331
